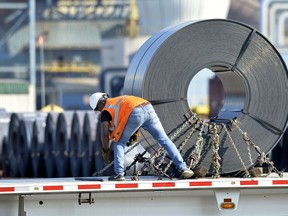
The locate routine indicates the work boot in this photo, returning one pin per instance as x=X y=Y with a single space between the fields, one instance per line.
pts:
x=186 y=174
x=116 y=177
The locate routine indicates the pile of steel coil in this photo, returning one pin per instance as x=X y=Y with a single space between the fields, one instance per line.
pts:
x=51 y=144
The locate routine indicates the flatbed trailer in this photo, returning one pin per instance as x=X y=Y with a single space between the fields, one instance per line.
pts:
x=147 y=196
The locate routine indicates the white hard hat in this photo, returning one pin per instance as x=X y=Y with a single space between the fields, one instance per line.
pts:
x=94 y=98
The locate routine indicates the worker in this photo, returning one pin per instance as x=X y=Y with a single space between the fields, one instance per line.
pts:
x=120 y=118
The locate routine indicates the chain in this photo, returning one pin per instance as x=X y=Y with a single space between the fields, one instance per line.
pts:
x=99 y=173
x=236 y=150
x=191 y=120
x=249 y=146
x=182 y=145
x=159 y=156
x=245 y=138
x=262 y=159
x=265 y=159
x=161 y=159
x=215 y=145
x=163 y=154
x=195 y=155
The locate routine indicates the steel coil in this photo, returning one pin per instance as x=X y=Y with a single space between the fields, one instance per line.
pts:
x=62 y=151
x=23 y=148
x=252 y=72
x=76 y=145
x=4 y=124
x=37 y=146
x=279 y=153
x=12 y=144
x=284 y=161
x=4 y=157
x=88 y=138
x=49 y=147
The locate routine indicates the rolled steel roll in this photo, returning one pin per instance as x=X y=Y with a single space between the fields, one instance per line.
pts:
x=62 y=151
x=97 y=147
x=88 y=138
x=49 y=147
x=37 y=146
x=4 y=158
x=4 y=125
x=279 y=153
x=76 y=146
x=252 y=72
x=284 y=160
x=23 y=148
x=12 y=144
x=19 y=143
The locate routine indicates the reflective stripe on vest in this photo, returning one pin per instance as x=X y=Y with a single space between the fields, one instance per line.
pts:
x=116 y=112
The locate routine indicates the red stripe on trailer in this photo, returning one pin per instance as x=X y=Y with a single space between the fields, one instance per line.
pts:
x=129 y=185
x=200 y=183
x=252 y=182
x=163 y=184
x=85 y=187
x=279 y=182
x=7 y=189
x=53 y=187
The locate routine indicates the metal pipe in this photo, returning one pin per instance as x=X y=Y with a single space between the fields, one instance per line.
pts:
x=42 y=62
x=13 y=6
x=264 y=11
x=32 y=55
x=273 y=30
x=281 y=29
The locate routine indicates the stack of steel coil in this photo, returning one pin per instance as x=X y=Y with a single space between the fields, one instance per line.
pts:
x=51 y=144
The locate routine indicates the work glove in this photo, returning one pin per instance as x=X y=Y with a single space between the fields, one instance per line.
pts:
x=134 y=138
x=105 y=154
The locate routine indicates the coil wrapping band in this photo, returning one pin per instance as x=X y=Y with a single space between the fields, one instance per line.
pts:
x=252 y=72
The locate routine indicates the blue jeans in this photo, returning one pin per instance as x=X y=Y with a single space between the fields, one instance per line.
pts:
x=146 y=118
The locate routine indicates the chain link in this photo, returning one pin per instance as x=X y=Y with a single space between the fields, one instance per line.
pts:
x=236 y=150
x=262 y=159
x=249 y=146
x=163 y=154
x=182 y=145
x=245 y=138
x=191 y=120
x=99 y=173
x=195 y=155
x=215 y=145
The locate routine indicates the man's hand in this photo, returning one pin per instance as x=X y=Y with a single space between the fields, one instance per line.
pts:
x=134 y=138
x=105 y=154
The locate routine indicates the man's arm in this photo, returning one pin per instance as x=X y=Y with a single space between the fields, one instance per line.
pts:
x=105 y=135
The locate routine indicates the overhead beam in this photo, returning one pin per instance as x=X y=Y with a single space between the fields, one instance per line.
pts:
x=13 y=6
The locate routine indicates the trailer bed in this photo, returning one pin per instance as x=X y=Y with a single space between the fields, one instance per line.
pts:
x=205 y=196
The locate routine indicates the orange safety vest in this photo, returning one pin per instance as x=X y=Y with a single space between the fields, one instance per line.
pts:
x=120 y=109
